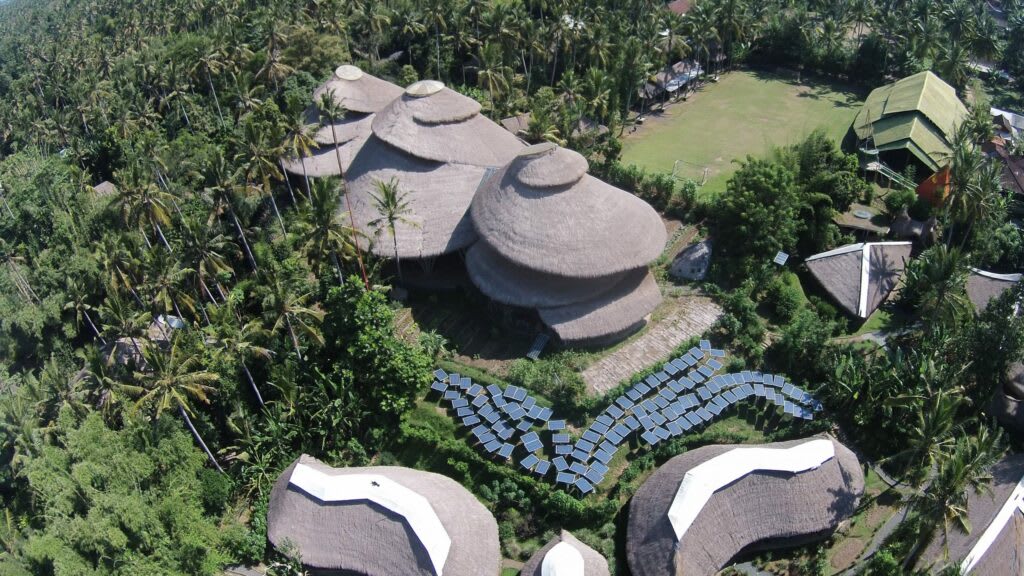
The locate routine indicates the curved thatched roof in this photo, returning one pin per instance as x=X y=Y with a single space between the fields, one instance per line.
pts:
x=760 y=510
x=323 y=161
x=438 y=197
x=1007 y=403
x=611 y=316
x=508 y=283
x=436 y=123
x=357 y=91
x=543 y=212
x=363 y=537
x=995 y=516
x=352 y=127
x=593 y=563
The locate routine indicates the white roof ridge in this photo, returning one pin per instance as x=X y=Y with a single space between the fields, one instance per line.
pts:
x=385 y=492
x=1012 y=505
x=703 y=480
x=836 y=251
x=996 y=276
x=563 y=559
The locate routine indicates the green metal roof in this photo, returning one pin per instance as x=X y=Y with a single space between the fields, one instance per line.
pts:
x=919 y=109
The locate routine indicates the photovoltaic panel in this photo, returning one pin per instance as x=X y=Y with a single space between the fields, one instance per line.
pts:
x=674 y=428
x=460 y=403
x=560 y=438
x=506 y=450
x=594 y=476
x=694 y=419
x=661 y=376
x=704 y=414
x=650 y=437
x=494 y=390
x=465 y=383
x=599 y=428
x=565 y=478
x=532 y=446
x=545 y=414
x=599 y=468
x=591 y=436
x=506 y=433
x=560 y=463
x=675 y=386
x=529 y=402
x=705 y=345
x=658 y=418
x=492 y=446
x=475 y=390
x=529 y=462
x=563 y=449
x=604 y=419
x=578 y=468
x=440 y=374
x=633 y=394
x=451 y=395
x=584 y=486
x=454 y=378
x=556 y=425
x=621 y=430
x=661 y=433
x=438 y=386
x=542 y=468
x=642 y=388
x=632 y=422
x=717 y=353
x=615 y=412
x=624 y=403
x=603 y=456
x=614 y=437
x=586 y=445
x=651 y=381
x=524 y=425
x=581 y=455
x=463 y=412
x=607 y=446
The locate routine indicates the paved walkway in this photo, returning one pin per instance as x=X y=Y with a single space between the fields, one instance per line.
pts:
x=692 y=317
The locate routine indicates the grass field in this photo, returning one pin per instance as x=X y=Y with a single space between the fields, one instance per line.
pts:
x=744 y=113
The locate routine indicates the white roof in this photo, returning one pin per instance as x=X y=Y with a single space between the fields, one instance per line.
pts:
x=865 y=267
x=562 y=560
x=703 y=480
x=384 y=492
x=1014 y=503
x=994 y=276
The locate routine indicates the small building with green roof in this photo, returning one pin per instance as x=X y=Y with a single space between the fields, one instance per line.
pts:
x=913 y=118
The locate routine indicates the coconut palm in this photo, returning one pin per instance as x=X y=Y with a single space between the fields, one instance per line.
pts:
x=122 y=321
x=299 y=142
x=173 y=380
x=78 y=301
x=325 y=233
x=283 y=309
x=392 y=207
x=239 y=343
x=935 y=284
x=223 y=192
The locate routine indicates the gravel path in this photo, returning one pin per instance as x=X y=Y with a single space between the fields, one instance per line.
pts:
x=692 y=317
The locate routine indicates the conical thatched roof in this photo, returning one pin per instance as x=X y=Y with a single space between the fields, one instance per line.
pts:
x=859 y=277
x=364 y=536
x=611 y=316
x=353 y=126
x=593 y=563
x=995 y=544
x=436 y=123
x=323 y=161
x=543 y=212
x=509 y=283
x=762 y=509
x=438 y=197
x=357 y=91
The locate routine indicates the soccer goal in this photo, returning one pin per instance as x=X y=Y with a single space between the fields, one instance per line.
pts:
x=681 y=169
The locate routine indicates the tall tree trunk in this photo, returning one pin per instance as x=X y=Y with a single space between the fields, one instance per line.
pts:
x=241 y=235
x=160 y=234
x=92 y=325
x=398 y=259
x=295 y=339
x=348 y=206
x=277 y=212
x=337 y=267
x=199 y=439
x=252 y=382
x=305 y=177
x=288 y=181
x=216 y=101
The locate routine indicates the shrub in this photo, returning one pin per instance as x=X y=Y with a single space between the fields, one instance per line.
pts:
x=783 y=299
x=899 y=199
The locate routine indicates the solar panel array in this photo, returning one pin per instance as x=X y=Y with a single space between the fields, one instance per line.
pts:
x=685 y=395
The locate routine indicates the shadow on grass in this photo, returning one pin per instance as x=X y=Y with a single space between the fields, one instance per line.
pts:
x=843 y=95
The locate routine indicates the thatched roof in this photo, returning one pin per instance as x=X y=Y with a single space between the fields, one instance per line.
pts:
x=358 y=91
x=761 y=510
x=996 y=541
x=593 y=563
x=1007 y=404
x=543 y=212
x=323 y=162
x=983 y=287
x=613 y=315
x=680 y=6
x=859 y=277
x=365 y=537
x=436 y=123
x=353 y=126
x=509 y=283
x=438 y=196
x=105 y=188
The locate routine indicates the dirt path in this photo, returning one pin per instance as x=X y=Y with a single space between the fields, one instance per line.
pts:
x=692 y=317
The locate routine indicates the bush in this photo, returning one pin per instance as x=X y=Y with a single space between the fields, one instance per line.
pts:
x=784 y=300
x=899 y=199
x=549 y=378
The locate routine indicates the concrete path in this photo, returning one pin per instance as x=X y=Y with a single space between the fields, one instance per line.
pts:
x=692 y=316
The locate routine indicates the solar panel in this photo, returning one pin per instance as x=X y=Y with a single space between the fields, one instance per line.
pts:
x=729 y=396
x=787 y=389
x=660 y=403
x=506 y=450
x=492 y=446
x=714 y=408
x=779 y=381
x=581 y=455
x=584 y=486
x=510 y=392
x=667 y=394
x=696 y=377
x=639 y=411
x=560 y=438
x=529 y=462
x=669 y=413
x=633 y=394
x=506 y=433
x=534 y=413
x=604 y=419
x=651 y=405
x=488 y=438
x=563 y=449
x=465 y=383
x=556 y=425
x=705 y=371
x=480 y=430
x=759 y=390
x=693 y=419
x=604 y=456
x=542 y=468
x=499 y=401
x=647 y=423
x=650 y=437
x=781 y=258
x=669 y=368
x=440 y=374
x=658 y=418
x=517 y=412
x=712 y=385
x=545 y=414
x=680 y=365
x=607 y=446
x=615 y=412
x=524 y=425
x=494 y=390
x=621 y=430
x=594 y=476
x=591 y=436
x=479 y=401
x=521 y=394
x=687 y=383
x=632 y=422
x=475 y=390
x=674 y=428
x=661 y=376
x=599 y=428
x=714 y=364
x=599 y=468
x=716 y=353
x=491 y=416
x=704 y=393
x=705 y=345
x=529 y=402
x=454 y=378
x=578 y=468
x=614 y=437
x=704 y=414
x=642 y=388
x=651 y=381
x=675 y=386
x=560 y=463
x=661 y=433
x=460 y=403
x=533 y=446
x=586 y=445
x=464 y=412
x=685 y=424
x=565 y=478
x=439 y=386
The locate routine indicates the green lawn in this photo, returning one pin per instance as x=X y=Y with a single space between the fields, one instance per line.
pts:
x=745 y=113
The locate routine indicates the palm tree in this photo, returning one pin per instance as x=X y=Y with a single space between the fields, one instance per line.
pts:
x=935 y=285
x=209 y=252
x=325 y=234
x=493 y=74
x=173 y=380
x=121 y=321
x=240 y=343
x=223 y=193
x=78 y=301
x=104 y=384
x=299 y=143
x=392 y=207
x=329 y=106
x=261 y=164
x=285 y=309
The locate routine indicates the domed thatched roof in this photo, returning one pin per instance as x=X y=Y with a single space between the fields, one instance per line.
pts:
x=323 y=161
x=436 y=123
x=762 y=508
x=508 y=283
x=593 y=563
x=357 y=91
x=996 y=517
x=611 y=316
x=351 y=127
x=395 y=534
x=543 y=212
x=438 y=197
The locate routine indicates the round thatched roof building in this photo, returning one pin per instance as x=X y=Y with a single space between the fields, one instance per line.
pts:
x=565 y=555
x=360 y=95
x=436 y=146
x=559 y=240
x=701 y=509
x=381 y=520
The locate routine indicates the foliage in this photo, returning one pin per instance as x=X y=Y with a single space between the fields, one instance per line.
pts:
x=552 y=379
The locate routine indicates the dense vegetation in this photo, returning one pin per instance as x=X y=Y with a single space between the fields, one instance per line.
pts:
x=288 y=344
